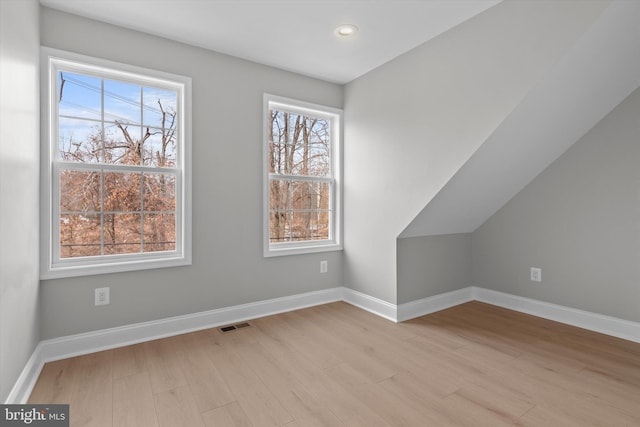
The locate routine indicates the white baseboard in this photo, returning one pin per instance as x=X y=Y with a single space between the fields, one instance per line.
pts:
x=413 y=309
x=583 y=319
x=74 y=345
x=28 y=377
x=371 y=304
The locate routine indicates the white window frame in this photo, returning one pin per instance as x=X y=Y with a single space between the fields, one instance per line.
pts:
x=334 y=243
x=52 y=266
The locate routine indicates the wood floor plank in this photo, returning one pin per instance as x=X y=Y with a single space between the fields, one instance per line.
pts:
x=164 y=364
x=177 y=408
x=317 y=341
x=421 y=396
x=302 y=366
x=55 y=382
x=337 y=365
x=496 y=396
x=469 y=412
x=352 y=350
x=618 y=393
x=129 y=360
x=355 y=315
x=383 y=346
x=259 y=403
x=547 y=357
x=133 y=402
x=542 y=416
x=208 y=387
x=91 y=402
x=582 y=414
x=229 y=415
x=350 y=410
x=288 y=332
x=298 y=399
x=393 y=410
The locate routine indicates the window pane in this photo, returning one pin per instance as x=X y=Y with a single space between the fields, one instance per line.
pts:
x=301 y=226
x=322 y=192
x=122 y=102
x=282 y=141
x=79 y=235
x=299 y=210
x=319 y=163
x=279 y=226
x=310 y=202
x=122 y=144
x=277 y=157
x=319 y=225
x=303 y=195
x=279 y=194
x=310 y=225
x=79 y=96
x=322 y=213
x=299 y=144
x=159 y=192
x=122 y=192
x=280 y=213
x=159 y=108
x=79 y=140
x=122 y=234
x=79 y=191
x=159 y=148
x=159 y=232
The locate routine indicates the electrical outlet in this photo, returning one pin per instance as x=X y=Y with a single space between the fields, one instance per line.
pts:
x=324 y=266
x=536 y=274
x=102 y=296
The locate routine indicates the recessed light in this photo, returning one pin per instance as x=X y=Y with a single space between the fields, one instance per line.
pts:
x=346 y=30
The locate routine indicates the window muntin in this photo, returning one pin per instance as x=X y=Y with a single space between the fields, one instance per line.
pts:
x=302 y=188
x=116 y=168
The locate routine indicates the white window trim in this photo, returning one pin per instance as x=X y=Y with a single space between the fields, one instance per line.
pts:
x=335 y=115
x=52 y=268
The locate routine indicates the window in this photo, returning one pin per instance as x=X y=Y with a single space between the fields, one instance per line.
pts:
x=115 y=167
x=302 y=177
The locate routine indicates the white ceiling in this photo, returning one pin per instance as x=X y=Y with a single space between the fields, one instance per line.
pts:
x=295 y=35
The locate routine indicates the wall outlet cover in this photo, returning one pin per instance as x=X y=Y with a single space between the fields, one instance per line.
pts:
x=324 y=266
x=102 y=296
x=536 y=274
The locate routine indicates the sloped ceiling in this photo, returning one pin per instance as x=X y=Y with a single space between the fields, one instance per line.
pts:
x=600 y=71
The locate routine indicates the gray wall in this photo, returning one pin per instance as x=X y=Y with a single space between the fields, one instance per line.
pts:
x=579 y=221
x=228 y=266
x=432 y=265
x=19 y=171
x=413 y=122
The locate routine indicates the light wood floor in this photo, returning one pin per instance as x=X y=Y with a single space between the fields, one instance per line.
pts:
x=471 y=365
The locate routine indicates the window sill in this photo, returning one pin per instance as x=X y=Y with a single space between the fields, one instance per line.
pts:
x=71 y=270
x=275 y=251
